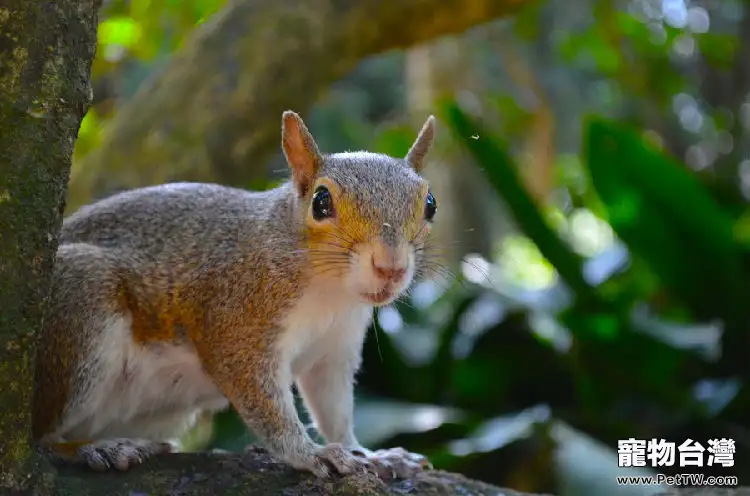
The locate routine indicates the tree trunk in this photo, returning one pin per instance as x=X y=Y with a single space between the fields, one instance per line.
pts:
x=45 y=59
x=213 y=113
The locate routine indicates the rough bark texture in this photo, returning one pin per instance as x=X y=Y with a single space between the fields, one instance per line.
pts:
x=46 y=50
x=213 y=113
x=257 y=474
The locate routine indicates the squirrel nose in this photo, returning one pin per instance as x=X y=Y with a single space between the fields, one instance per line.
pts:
x=392 y=271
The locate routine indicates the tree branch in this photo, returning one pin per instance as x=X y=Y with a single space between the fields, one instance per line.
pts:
x=253 y=473
x=213 y=113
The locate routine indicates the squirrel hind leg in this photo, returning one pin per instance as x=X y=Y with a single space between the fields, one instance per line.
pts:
x=118 y=453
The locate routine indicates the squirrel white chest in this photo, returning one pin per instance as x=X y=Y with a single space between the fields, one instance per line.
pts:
x=323 y=325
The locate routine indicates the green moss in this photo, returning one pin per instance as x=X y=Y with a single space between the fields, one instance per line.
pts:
x=45 y=71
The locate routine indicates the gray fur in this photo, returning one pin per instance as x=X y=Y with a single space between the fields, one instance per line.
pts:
x=171 y=299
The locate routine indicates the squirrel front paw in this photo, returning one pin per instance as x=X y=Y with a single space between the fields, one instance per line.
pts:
x=395 y=463
x=333 y=459
x=121 y=454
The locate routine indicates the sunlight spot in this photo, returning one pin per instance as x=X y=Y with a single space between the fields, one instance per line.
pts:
x=390 y=319
x=698 y=20
x=603 y=265
x=744 y=171
x=674 y=12
x=522 y=263
x=699 y=157
x=546 y=328
x=681 y=100
x=425 y=293
x=475 y=268
x=745 y=115
x=498 y=432
x=590 y=234
x=461 y=447
x=428 y=418
x=645 y=10
x=486 y=312
x=716 y=394
x=690 y=117
x=684 y=46
x=724 y=142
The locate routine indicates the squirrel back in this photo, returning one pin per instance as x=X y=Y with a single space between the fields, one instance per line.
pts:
x=181 y=228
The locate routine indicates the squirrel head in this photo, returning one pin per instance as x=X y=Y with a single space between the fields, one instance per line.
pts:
x=364 y=216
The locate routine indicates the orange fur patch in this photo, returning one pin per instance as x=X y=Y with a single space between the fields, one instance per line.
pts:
x=331 y=240
x=162 y=318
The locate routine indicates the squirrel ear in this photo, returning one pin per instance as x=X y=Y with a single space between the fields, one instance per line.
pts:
x=418 y=150
x=300 y=149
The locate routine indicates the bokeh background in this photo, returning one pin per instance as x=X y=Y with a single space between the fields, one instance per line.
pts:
x=592 y=177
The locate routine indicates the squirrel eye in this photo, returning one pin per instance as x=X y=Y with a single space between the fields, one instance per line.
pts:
x=322 y=204
x=430 y=207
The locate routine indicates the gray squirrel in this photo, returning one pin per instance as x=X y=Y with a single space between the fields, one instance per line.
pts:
x=182 y=298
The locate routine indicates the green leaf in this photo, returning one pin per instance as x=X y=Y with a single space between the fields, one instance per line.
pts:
x=718 y=49
x=229 y=432
x=742 y=230
x=607 y=59
x=122 y=31
x=394 y=140
x=669 y=219
x=203 y=9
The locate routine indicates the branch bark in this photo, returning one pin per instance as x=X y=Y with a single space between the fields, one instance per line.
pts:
x=254 y=472
x=45 y=60
x=213 y=113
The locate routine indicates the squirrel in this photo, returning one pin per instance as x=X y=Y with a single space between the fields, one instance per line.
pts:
x=171 y=300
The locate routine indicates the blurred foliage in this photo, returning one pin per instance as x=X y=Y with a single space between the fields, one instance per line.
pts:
x=133 y=36
x=616 y=308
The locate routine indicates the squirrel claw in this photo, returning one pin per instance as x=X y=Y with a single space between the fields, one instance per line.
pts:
x=395 y=463
x=120 y=454
x=333 y=459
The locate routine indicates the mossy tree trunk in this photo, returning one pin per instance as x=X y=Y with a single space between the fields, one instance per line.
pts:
x=45 y=58
x=213 y=113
